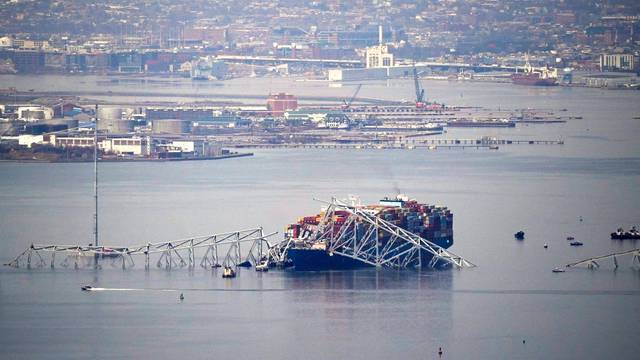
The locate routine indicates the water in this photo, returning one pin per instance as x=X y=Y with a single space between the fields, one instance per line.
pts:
x=484 y=312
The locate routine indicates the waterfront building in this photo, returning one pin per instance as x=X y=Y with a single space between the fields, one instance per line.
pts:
x=624 y=62
x=378 y=56
x=278 y=104
x=35 y=113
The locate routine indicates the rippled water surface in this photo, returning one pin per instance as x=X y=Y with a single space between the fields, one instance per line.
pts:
x=480 y=313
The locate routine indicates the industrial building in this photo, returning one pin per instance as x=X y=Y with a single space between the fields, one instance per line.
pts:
x=278 y=104
x=622 y=62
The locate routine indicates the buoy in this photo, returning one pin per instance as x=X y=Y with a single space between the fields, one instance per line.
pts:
x=546 y=246
x=523 y=341
x=440 y=351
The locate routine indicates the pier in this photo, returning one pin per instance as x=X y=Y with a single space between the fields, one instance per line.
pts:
x=407 y=144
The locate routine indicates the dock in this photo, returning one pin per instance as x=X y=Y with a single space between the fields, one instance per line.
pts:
x=406 y=144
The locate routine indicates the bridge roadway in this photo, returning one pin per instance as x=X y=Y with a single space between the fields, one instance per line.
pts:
x=271 y=60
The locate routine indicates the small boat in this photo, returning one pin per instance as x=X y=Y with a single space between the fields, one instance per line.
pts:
x=570 y=238
x=546 y=246
x=620 y=234
x=576 y=243
x=86 y=288
x=519 y=235
x=558 y=270
x=228 y=272
x=262 y=267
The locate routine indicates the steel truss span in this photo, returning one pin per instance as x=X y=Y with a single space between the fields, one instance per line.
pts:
x=224 y=249
x=358 y=239
x=594 y=262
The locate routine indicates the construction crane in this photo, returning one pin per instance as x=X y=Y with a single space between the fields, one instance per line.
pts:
x=347 y=104
x=420 y=103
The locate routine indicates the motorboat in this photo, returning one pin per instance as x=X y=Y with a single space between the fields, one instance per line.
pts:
x=262 y=267
x=228 y=272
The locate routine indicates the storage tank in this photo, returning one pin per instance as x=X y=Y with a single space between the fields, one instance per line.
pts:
x=171 y=126
x=115 y=119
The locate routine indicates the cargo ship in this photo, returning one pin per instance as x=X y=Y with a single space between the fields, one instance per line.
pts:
x=535 y=76
x=384 y=234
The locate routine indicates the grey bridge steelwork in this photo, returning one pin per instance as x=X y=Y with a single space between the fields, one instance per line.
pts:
x=222 y=249
x=592 y=263
x=402 y=250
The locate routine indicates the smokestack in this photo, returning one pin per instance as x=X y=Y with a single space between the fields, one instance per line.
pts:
x=379 y=34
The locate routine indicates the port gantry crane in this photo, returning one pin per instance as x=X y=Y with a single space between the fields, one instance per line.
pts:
x=346 y=104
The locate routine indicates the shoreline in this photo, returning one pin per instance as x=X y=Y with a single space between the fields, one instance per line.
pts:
x=222 y=157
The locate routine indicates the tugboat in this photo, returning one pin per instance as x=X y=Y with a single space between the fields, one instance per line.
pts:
x=519 y=235
x=228 y=272
x=576 y=243
x=86 y=288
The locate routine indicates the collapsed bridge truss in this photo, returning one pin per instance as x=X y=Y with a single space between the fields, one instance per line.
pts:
x=215 y=250
x=359 y=236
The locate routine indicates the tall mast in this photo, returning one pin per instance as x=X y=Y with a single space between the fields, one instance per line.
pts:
x=95 y=178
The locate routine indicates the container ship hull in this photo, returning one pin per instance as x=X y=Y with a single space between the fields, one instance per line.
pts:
x=321 y=260
x=338 y=239
x=317 y=259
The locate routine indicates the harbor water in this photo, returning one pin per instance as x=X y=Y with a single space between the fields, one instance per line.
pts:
x=511 y=306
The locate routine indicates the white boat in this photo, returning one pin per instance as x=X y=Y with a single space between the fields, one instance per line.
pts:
x=262 y=267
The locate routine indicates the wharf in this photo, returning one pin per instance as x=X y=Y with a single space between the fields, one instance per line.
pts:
x=431 y=144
